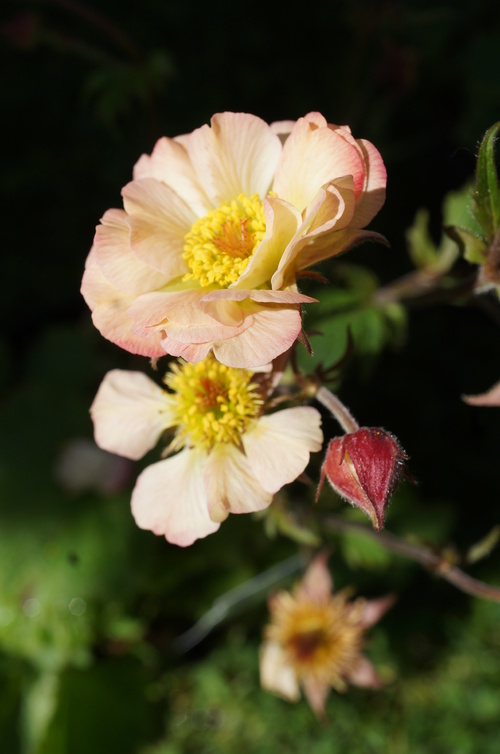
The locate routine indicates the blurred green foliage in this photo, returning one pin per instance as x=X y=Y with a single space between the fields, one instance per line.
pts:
x=90 y=607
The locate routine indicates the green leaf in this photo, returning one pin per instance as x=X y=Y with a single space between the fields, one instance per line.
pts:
x=486 y=193
x=472 y=247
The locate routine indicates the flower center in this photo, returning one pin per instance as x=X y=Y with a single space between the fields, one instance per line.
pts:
x=219 y=246
x=321 y=640
x=214 y=403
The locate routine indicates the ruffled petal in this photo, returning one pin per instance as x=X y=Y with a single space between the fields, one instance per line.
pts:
x=272 y=331
x=159 y=220
x=109 y=307
x=282 y=224
x=116 y=259
x=129 y=412
x=276 y=674
x=170 y=499
x=237 y=154
x=314 y=155
x=169 y=163
x=278 y=445
x=373 y=195
x=231 y=487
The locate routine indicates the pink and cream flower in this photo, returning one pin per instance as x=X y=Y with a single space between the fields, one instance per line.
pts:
x=217 y=227
x=315 y=640
x=231 y=457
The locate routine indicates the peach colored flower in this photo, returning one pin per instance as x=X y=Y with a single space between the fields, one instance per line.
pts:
x=315 y=640
x=216 y=228
x=232 y=457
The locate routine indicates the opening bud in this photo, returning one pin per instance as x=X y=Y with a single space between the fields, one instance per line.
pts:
x=364 y=468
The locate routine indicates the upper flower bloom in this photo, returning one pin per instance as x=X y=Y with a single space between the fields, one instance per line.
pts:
x=315 y=639
x=216 y=227
x=232 y=458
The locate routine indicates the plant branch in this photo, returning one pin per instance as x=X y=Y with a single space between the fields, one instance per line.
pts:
x=421 y=554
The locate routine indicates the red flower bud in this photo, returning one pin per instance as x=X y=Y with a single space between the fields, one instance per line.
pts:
x=364 y=467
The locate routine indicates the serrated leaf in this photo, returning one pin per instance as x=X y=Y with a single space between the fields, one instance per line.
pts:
x=486 y=194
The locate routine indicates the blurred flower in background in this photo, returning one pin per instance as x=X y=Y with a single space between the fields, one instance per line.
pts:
x=315 y=639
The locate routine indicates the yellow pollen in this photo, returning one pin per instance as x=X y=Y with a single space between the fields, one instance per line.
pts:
x=219 y=246
x=214 y=403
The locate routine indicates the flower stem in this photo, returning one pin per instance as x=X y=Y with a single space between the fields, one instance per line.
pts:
x=421 y=554
x=340 y=412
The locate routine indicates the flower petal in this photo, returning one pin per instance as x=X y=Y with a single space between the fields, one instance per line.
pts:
x=272 y=332
x=129 y=413
x=490 y=398
x=278 y=445
x=316 y=691
x=276 y=675
x=373 y=610
x=231 y=488
x=364 y=674
x=169 y=163
x=109 y=307
x=313 y=155
x=238 y=154
x=116 y=259
x=170 y=499
x=159 y=220
x=317 y=584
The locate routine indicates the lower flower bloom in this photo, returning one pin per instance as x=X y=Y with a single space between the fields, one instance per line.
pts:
x=232 y=457
x=315 y=640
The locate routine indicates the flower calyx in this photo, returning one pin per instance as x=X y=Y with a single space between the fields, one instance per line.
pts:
x=364 y=467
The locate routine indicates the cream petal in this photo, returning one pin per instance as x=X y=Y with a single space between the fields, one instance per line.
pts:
x=237 y=154
x=373 y=610
x=117 y=261
x=312 y=157
x=317 y=583
x=231 y=488
x=273 y=332
x=329 y=213
x=316 y=692
x=278 y=445
x=490 y=398
x=282 y=223
x=364 y=674
x=276 y=675
x=159 y=220
x=283 y=298
x=129 y=413
x=110 y=316
x=169 y=163
x=373 y=196
x=170 y=499
x=192 y=352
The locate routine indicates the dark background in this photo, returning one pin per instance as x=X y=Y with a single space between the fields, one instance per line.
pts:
x=86 y=89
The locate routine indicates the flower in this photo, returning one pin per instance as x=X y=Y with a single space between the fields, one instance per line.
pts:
x=364 y=467
x=232 y=457
x=315 y=639
x=490 y=398
x=216 y=228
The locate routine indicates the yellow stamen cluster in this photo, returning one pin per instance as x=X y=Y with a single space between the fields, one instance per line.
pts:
x=219 y=246
x=321 y=640
x=214 y=403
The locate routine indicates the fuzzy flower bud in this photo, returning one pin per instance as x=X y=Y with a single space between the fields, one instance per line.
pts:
x=364 y=468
